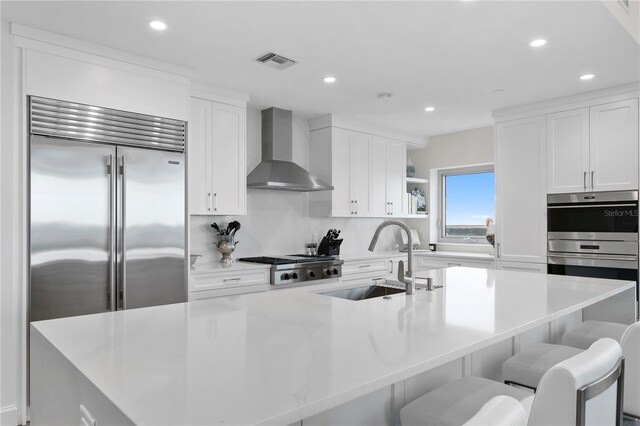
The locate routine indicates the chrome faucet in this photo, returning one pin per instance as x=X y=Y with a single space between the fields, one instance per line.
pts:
x=408 y=278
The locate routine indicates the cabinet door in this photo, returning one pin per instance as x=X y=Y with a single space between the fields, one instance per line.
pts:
x=359 y=172
x=568 y=151
x=199 y=150
x=614 y=146
x=229 y=160
x=378 y=178
x=341 y=201
x=396 y=172
x=521 y=228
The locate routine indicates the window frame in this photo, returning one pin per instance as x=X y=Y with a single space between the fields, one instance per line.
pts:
x=455 y=171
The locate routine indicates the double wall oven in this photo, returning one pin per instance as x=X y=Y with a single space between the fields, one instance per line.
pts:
x=595 y=235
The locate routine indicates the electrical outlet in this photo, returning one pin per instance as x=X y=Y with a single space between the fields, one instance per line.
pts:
x=86 y=419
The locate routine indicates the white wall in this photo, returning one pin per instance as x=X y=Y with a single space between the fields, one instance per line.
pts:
x=469 y=147
x=10 y=242
x=278 y=222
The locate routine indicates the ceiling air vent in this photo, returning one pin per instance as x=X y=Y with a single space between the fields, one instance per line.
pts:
x=273 y=60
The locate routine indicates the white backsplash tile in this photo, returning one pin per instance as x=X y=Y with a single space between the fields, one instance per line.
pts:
x=278 y=222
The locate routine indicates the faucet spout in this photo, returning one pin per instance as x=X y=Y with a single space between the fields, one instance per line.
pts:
x=409 y=276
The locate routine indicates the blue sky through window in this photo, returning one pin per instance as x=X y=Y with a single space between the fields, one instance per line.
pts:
x=469 y=198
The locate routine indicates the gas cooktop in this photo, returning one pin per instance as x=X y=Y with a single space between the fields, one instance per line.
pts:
x=297 y=268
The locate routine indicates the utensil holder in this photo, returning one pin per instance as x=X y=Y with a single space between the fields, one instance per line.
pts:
x=226 y=245
x=326 y=249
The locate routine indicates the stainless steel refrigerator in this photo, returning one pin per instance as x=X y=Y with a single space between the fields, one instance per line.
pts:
x=107 y=210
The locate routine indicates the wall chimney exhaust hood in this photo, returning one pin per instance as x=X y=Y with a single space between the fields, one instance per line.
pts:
x=277 y=169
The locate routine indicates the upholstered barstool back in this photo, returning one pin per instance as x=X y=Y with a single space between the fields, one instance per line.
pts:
x=631 y=352
x=585 y=389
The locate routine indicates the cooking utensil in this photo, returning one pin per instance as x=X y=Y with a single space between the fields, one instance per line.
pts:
x=236 y=228
x=216 y=227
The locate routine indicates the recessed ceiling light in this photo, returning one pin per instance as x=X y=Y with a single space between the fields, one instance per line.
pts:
x=538 y=42
x=329 y=79
x=430 y=109
x=158 y=25
x=587 y=76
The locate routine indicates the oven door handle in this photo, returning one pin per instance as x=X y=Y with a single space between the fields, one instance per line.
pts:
x=626 y=258
x=588 y=206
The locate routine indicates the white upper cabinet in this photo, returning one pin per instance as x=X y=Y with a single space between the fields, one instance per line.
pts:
x=396 y=172
x=359 y=167
x=340 y=150
x=378 y=177
x=367 y=173
x=568 y=151
x=614 y=146
x=521 y=226
x=199 y=148
x=217 y=158
x=593 y=149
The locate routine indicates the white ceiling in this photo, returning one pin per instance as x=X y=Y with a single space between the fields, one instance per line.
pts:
x=449 y=54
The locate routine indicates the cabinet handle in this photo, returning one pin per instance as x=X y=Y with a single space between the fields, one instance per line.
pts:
x=364 y=266
x=391 y=266
x=584 y=180
x=356 y=201
x=498 y=250
x=391 y=212
x=209 y=201
x=592 y=173
x=351 y=207
x=215 y=196
x=231 y=279
x=453 y=264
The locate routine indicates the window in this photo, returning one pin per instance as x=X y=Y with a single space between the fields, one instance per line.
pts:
x=467 y=200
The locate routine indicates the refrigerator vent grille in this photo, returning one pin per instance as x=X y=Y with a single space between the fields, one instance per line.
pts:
x=70 y=120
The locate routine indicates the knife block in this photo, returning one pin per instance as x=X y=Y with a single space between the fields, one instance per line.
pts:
x=325 y=248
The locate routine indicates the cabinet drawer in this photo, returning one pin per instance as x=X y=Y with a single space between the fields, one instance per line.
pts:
x=431 y=263
x=523 y=267
x=216 y=280
x=230 y=291
x=365 y=269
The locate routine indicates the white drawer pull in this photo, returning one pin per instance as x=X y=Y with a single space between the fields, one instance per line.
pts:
x=231 y=279
x=364 y=266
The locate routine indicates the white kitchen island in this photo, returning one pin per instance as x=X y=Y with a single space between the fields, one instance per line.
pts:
x=282 y=356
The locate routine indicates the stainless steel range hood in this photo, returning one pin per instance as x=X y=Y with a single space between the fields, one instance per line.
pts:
x=277 y=170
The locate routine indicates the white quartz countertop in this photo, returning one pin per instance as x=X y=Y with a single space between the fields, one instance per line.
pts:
x=282 y=356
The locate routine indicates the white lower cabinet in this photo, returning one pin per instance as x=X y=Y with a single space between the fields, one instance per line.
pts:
x=208 y=284
x=522 y=267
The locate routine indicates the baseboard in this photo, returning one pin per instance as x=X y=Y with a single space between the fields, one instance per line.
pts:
x=9 y=415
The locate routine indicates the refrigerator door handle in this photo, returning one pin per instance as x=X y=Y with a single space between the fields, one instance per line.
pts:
x=111 y=171
x=122 y=281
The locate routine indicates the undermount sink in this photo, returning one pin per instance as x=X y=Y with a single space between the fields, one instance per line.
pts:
x=363 y=293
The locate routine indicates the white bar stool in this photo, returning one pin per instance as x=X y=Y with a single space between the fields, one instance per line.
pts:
x=584 y=389
x=527 y=367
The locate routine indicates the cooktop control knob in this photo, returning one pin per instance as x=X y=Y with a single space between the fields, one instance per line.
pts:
x=335 y=271
x=311 y=274
x=294 y=275
x=328 y=272
x=285 y=276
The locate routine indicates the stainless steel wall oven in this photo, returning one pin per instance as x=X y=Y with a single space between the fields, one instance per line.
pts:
x=595 y=235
